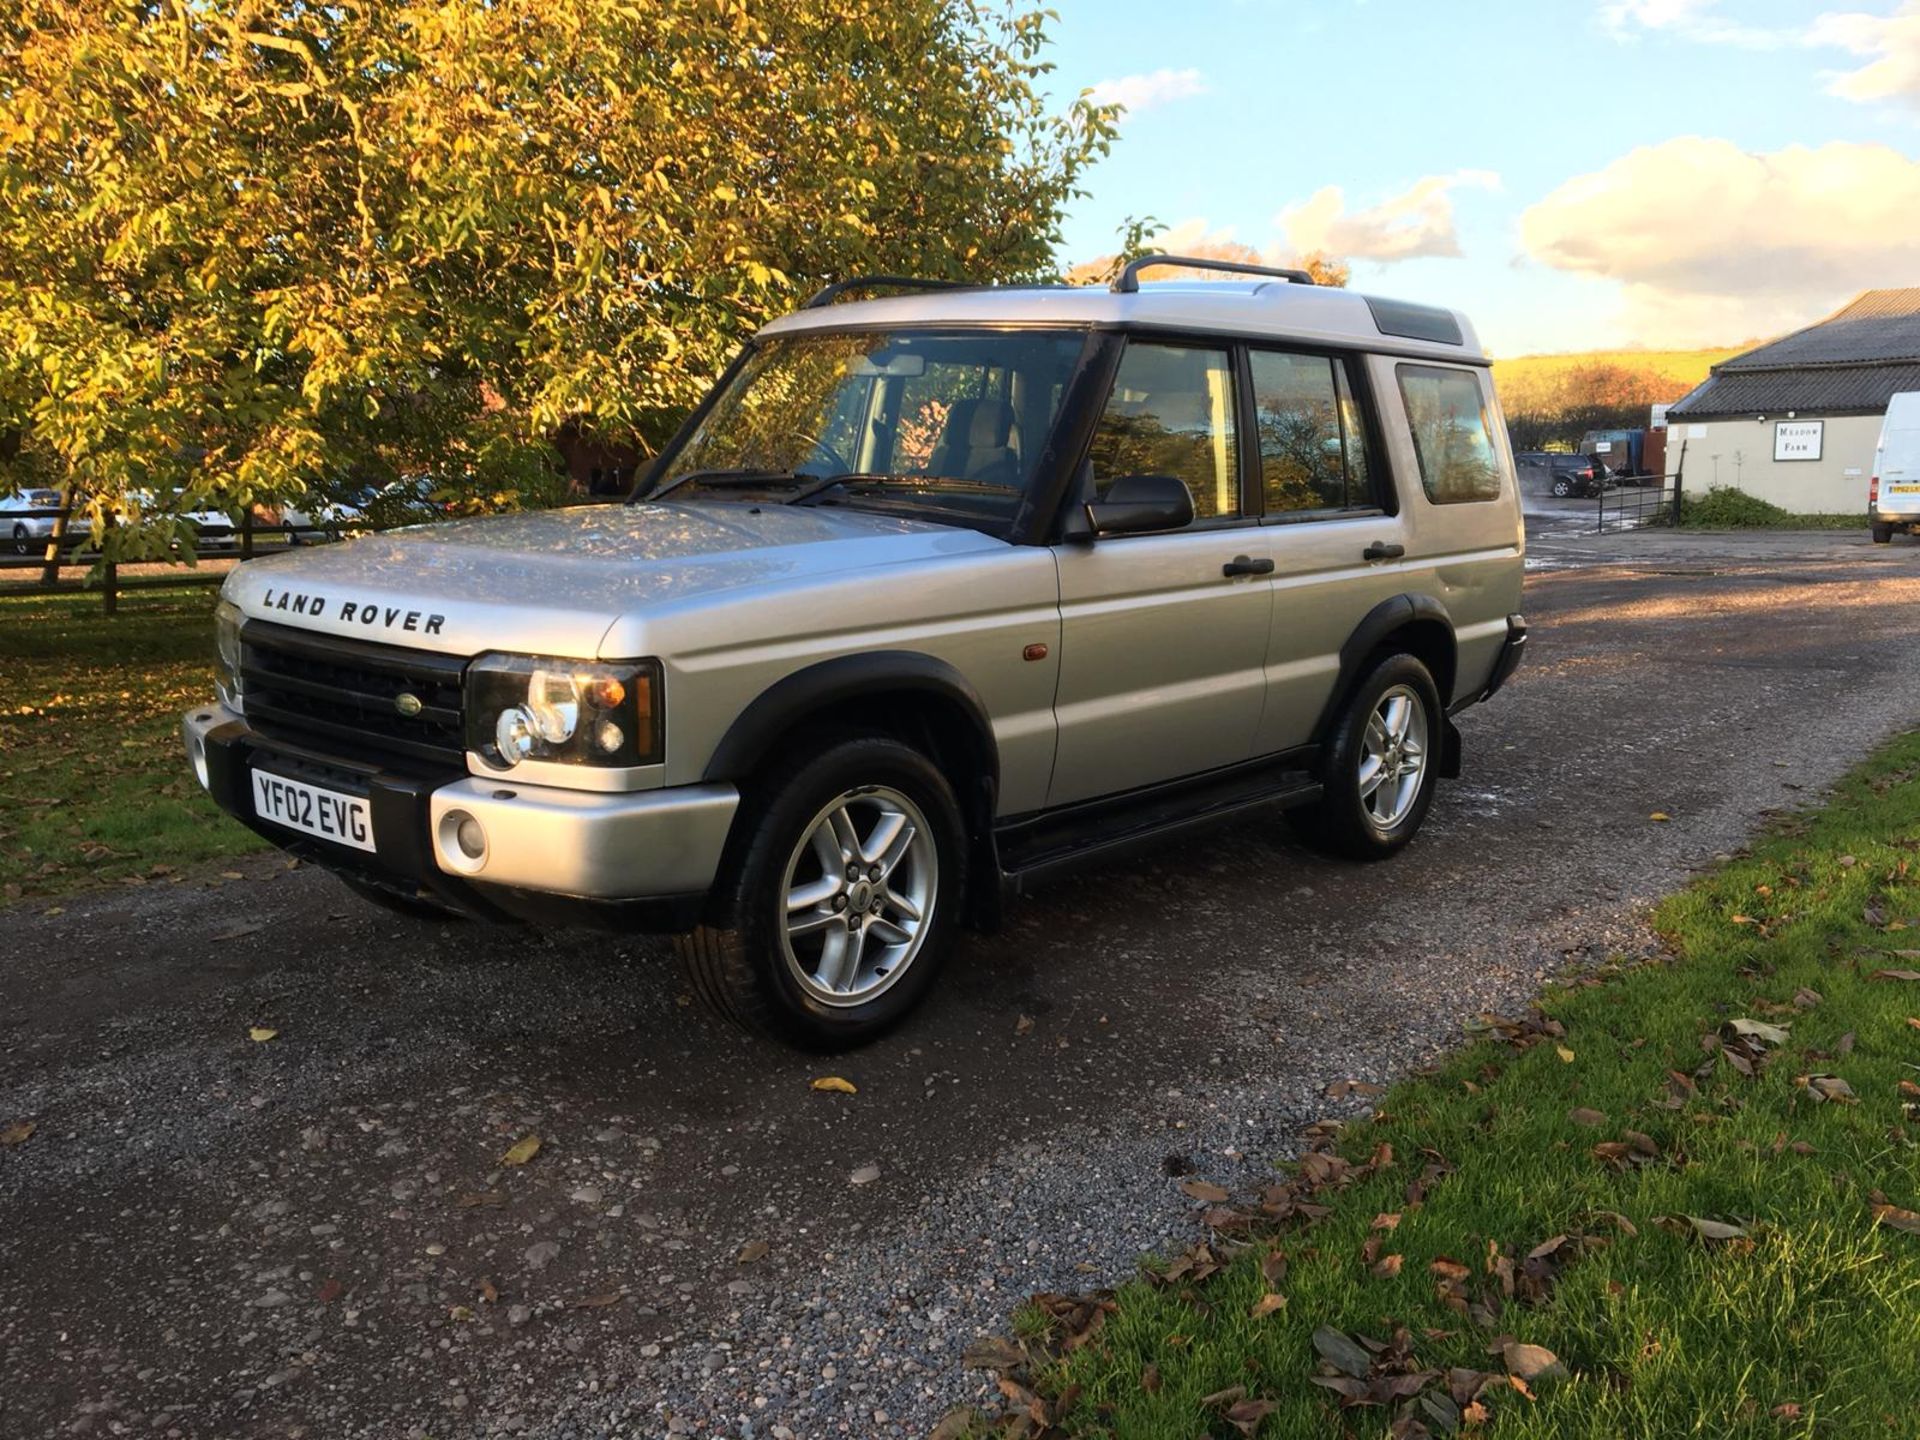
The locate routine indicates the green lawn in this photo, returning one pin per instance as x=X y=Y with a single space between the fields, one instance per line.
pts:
x=1593 y=1138
x=94 y=786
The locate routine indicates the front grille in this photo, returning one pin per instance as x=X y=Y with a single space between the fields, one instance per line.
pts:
x=343 y=696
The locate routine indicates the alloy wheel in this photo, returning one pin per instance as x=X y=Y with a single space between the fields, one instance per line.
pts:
x=1393 y=757
x=858 y=893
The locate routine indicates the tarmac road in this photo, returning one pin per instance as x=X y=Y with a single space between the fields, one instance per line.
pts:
x=314 y=1235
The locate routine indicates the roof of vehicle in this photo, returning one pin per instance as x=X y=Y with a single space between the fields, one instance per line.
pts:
x=1269 y=309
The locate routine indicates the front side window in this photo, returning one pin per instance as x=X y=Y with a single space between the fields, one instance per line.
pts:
x=948 y=424
x=1313 y=453
x=1171 y=413
x=1451 y=437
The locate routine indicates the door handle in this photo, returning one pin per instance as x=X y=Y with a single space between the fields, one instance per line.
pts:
x=1241 y=565
x=1380 y=550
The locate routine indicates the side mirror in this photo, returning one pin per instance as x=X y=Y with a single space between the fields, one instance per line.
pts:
x=1135 y=504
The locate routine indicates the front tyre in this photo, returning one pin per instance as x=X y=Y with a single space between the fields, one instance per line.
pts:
x=844 y=898
x=1380 y=763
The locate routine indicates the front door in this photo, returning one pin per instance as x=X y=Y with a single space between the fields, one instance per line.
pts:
x=1164 y=637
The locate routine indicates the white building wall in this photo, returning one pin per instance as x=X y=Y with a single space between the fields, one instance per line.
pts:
x=1740 y=454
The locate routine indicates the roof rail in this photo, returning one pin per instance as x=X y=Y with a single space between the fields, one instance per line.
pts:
x=852 y=283
x=1128 y=282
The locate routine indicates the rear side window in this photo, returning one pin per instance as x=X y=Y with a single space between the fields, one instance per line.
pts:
x=1313 y=453
x=1451 y=437
x=1171 y=413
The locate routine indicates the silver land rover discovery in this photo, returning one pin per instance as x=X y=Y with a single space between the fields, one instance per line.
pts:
x=933 y=595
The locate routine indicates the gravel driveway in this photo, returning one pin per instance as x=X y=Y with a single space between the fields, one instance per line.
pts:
x=314 y=1235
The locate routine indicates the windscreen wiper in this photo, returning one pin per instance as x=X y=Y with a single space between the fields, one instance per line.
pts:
x=881 y=479
x=743 y=478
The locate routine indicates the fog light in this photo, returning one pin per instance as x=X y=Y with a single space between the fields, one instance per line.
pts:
x=463 y=843
x=470 y=837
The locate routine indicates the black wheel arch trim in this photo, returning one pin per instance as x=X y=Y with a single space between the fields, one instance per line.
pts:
x=790 y=699
x=1375 y=626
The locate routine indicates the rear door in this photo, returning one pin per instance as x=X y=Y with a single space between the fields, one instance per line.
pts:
x=1898 y=461
x=1164 y=637
x=1328 y=512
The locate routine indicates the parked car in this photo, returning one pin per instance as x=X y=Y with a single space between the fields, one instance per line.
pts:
x=1893 y=495
x=933 y=597
x=27 y=519
x=1563 y=475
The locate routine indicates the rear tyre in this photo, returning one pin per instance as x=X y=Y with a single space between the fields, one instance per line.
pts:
x=1882 y=534
x=22 y=542
x=1562 y=488
x=846 y=883
x=1381 y=763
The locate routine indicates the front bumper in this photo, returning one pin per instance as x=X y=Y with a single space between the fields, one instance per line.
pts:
x=640 y=861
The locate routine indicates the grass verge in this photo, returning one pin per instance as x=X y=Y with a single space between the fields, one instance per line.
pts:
x=1679 y=1197
x=1724 y=508
x=94 y=787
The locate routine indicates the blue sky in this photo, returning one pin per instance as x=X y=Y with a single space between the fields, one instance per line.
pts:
x=1610 y=171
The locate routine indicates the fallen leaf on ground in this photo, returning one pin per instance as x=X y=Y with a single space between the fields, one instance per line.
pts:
x=481 y=1197
x=865 y=1175
x=836 y=1085
x=1150 y=1379
x=1388 y=1267
x=1533 y=1362
x=17 y=1133
x=1711 y=1231
x=1566 y=1055
x=1895 y=975
x=239 y=932
x=1583 y=1116
x=489 y=1292
x=1266 y=1305
x=1894 y=1218
x=1760 y=1030
x=992 y=1352
x=1787 y=1411
x=1831 y=1088
x=1246 y=1415
x=1342 y=1353
x=751 y=1251
x=598 y=1302
x=1659 y=815
x=1203 y=1190
x=1618 y=1221
x=331 y=1290
x=522 y=1150
x=1024 y=1025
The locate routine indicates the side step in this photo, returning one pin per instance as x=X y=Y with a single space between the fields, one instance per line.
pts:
x=1038 y=848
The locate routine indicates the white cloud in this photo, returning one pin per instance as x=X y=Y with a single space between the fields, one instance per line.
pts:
x=1143 y=92
x=1417 y=222
x=1892 y=45
x=1711 y=243
x=1696 y=20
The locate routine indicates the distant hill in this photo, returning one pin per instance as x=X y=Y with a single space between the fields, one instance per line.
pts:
x=1689 y=366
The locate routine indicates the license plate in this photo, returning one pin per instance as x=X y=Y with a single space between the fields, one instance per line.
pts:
x=1903 y=489
x=343 y=819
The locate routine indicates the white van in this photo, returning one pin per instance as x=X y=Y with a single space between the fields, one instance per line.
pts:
x=1893 y=498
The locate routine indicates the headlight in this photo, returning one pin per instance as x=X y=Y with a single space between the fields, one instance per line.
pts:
x=227 y=620
x=573 y=712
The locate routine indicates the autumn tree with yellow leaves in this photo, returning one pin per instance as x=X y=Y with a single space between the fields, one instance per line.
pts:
x=249 y=249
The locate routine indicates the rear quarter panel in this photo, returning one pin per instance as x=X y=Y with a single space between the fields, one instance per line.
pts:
x=1470 y=556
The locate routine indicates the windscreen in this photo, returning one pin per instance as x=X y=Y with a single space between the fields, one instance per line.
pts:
x=946 y=423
